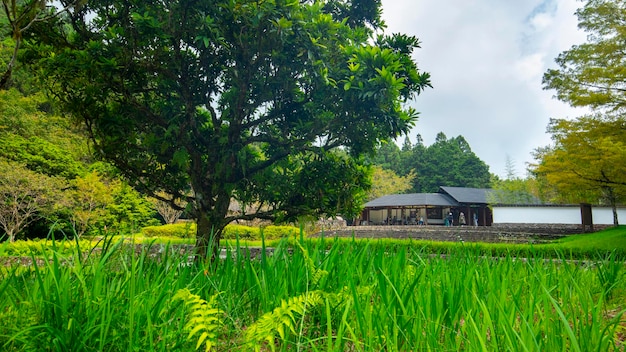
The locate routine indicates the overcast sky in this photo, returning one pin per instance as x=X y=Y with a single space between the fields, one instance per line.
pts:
x=486 y=59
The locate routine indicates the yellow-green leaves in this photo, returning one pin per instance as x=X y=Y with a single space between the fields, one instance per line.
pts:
x=203 y=318
x=386 y=181
x=25 y=196
x=281 y=318
x=587 y=162
x=592 y=74
x=88 y=200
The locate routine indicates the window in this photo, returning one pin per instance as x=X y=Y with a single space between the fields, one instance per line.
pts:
x=434 y=213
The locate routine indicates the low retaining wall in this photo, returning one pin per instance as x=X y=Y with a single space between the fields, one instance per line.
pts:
x=507 y=233
x=566 y=229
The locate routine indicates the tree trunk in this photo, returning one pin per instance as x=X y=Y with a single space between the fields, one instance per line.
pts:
x=6 y=76
x=4 y=80
x=209 y=228
x=613 y=200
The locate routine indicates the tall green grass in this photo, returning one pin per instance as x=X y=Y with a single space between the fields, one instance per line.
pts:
x=322 y=295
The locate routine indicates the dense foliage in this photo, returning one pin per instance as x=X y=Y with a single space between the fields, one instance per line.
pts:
x=231 y=231
x=25 y=197
x=385 y=181
x=447 y=162
x=586 y=161
x=50 y=179
x=593 y=74
x=234 y=99
x=516 y=190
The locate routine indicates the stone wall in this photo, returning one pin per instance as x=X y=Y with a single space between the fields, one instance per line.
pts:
x=509 y=233
x=546 y=228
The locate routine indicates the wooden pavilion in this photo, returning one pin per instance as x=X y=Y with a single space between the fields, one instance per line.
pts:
x=429 y=208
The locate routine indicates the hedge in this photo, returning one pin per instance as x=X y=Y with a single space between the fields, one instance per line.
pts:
x=232 y=231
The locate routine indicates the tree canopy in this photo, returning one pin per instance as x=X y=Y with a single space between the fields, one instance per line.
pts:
x=447 y=162
x=450 y=162
x=234 y=99
x=385 y=181
x=25 y=196
x=593 y=74
x=16 y=17
x=586 y=162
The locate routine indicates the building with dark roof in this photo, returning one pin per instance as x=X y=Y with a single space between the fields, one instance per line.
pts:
x=430 y=208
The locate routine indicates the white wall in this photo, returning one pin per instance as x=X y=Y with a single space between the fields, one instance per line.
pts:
x=553 y=215
x=604 y=216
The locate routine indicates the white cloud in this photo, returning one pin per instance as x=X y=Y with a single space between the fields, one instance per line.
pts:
x=541 y=21
x=486 y=58
x=530 y=68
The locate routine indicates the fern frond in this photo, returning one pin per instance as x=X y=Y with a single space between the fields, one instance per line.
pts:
x=282 y=317
x=316 y=274
x=203 y=317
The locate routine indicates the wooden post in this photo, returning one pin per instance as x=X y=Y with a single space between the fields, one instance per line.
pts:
x=586 y=216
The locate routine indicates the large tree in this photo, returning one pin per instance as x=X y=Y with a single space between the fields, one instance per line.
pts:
x=25 y=196
x=18 y=17
x=588 y=160
x=448 y=162
x=385 y=181
x=235 y=99
x=593 y=74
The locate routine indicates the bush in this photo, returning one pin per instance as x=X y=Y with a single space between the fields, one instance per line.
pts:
x=244 y=232
x=274 y=232
x=181 y=230
x=233 y=231
x=38 y=247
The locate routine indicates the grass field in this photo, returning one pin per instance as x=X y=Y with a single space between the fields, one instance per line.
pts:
x=321 y=295
x=579 y=246
x=608 y=240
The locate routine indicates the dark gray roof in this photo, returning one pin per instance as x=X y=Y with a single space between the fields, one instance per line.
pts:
x=467 y=195
x=403 y=200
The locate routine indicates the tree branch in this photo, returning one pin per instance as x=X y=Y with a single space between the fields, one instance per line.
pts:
x=604 y=180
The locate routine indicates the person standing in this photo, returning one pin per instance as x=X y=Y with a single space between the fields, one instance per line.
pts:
x=449 y=220
x=461 y=219
x=475 y=219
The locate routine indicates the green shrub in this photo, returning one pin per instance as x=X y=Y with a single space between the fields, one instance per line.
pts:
x=244 y=232
x=274 y=232
x=39 y=247
x=182 y=230
x=233 y=231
